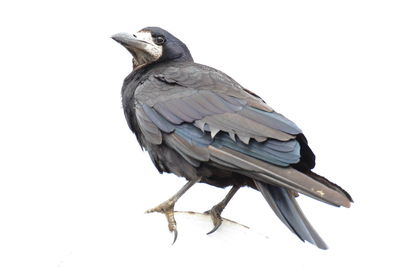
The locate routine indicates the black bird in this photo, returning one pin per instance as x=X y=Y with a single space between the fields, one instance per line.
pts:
x=200 y=124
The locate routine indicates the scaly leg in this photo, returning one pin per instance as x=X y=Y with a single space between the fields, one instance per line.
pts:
x=167 y=207
x=216 y=211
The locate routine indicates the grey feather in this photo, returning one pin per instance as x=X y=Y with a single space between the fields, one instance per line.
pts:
x=187 y=108
x=281 y=146
x=244 y=139
x=214 y=132
x=158 y=120
x=186 y=149
x=193 y=135
x=234 y=101
x=232 y=136
x=284 y=177
x=174 y=106
x=200 y=124
x=261 y=150
x=286 y=208
x=196 y=106
x=208 y=105
x=148 y=128
x=234 y=122
x=163 y=109
x=272 y=119
x=220 y=103
x=260 y=138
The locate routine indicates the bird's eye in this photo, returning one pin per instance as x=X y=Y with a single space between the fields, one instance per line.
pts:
x=159 y=40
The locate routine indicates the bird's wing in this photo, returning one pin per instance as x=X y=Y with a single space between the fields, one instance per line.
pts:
x=213 y=102
x=199 y=112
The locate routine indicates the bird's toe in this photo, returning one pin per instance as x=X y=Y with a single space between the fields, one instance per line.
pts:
x=215 y=214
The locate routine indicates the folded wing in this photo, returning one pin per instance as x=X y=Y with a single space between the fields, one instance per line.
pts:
x=206 y=116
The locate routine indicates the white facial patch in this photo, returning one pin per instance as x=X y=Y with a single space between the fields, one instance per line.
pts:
x=153 y=50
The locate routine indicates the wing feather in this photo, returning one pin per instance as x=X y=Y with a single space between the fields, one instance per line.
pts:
x=284 y=177
x=148 y=128
x=199 y=113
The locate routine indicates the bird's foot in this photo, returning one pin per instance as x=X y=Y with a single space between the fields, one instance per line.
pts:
x=167 y=208
x=215 y=214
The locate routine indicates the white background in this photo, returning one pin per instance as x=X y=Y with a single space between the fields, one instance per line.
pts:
x=74 y=183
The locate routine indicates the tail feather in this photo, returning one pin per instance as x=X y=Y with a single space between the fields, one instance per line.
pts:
x=286 y=177
x=325 y=181
x=286 y=208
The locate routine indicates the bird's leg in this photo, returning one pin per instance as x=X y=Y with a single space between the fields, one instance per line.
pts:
x=167 y=207
x=216 y=211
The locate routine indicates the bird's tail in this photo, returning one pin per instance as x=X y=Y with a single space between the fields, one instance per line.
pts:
x=286 y=208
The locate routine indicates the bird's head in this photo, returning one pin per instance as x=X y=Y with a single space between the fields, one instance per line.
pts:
x=152 y=45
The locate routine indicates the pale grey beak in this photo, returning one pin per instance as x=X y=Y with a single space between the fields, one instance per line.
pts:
x=129 y=41
x=142 y=47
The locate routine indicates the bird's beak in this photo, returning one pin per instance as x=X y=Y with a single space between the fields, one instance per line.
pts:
x=129 y=41
x=141 y=46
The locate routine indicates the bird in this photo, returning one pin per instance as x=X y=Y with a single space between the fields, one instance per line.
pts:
x=200 y=124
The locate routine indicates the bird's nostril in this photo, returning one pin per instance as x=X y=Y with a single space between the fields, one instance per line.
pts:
x=134 y=35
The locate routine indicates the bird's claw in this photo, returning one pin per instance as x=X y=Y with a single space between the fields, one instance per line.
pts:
x=167 y=208
x=175 y=236
x=215 y=214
